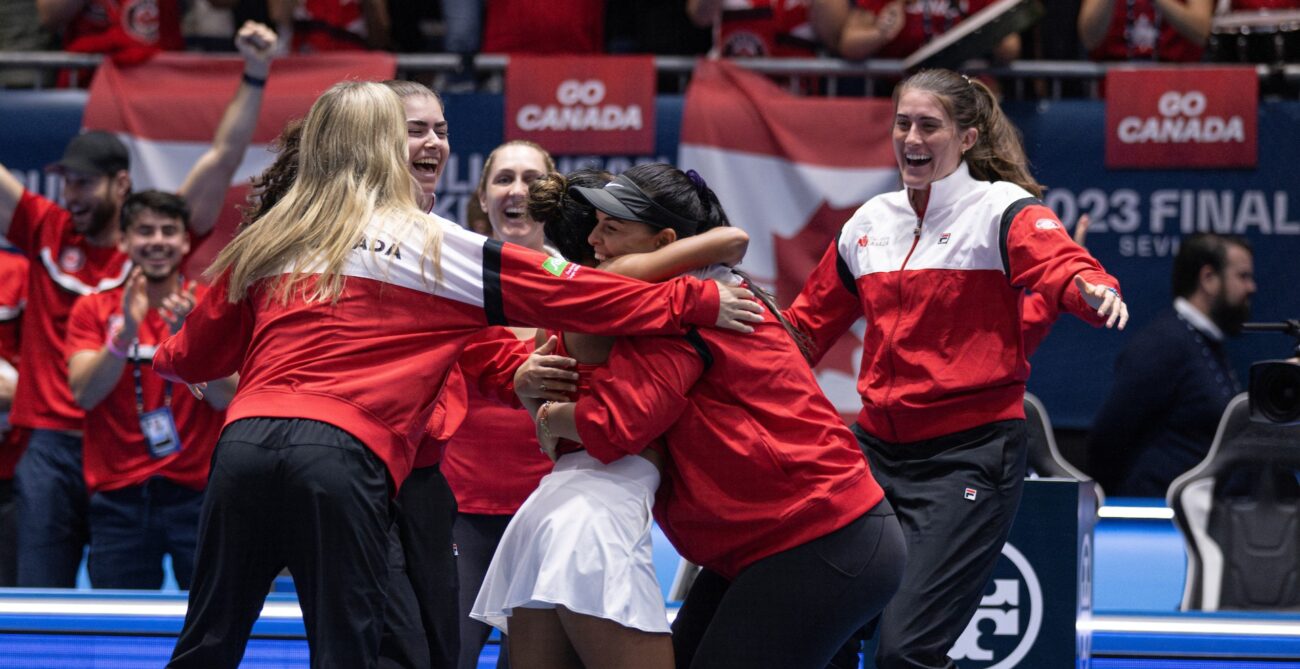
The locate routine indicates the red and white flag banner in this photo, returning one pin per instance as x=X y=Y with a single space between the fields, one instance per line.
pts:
x=167 y=111
x=790 y=171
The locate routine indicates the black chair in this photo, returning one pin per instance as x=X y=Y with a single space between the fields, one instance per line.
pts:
x=1237 y=512
x=1045 y=459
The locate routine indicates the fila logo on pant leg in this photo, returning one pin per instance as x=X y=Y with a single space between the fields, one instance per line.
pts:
x=970 y=494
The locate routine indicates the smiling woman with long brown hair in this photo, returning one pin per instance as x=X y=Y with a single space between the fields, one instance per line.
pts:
x=939 y=269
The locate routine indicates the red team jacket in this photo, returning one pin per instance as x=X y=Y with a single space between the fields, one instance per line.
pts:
x=759 y=460
x=942 y=294
x=373 y=362
x=63 y=268
x=13 y=299
x=489 y=359
x=493 y=463
x=115 y=455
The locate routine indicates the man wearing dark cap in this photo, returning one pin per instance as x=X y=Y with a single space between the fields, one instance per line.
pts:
x=74 y=251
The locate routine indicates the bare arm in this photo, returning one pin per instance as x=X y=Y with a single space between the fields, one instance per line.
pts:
x=828 y=18
x=1008 y=49
x=378 y=23
x=205 y=187
x=865 y=33
x=219 y=393
x=8 y=384
x=11 y=191
x=1191 y=18
x=1094 y=21
x=55 y=15
x=724 y=245
x=703 y=12
x=92 y=375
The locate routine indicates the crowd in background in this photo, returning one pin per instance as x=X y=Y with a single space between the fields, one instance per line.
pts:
x=1101 y=30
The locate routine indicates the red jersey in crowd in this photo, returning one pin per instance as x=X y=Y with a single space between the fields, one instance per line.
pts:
x=759 y=461
x=328 y=25
x=1255 y=5
x=558 y=26
x=493 y=463
x=764 y=28
x=115 y=454
x=1138 y=32
x=13 y=298
x=373 y=362
x=128 y=30
x=923 y=21
x=63 y=268
x=945 y=348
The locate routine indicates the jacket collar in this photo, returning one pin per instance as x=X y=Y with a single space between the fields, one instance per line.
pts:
x=945 y=192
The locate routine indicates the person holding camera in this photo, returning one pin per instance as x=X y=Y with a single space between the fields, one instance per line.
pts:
x=1173 y=379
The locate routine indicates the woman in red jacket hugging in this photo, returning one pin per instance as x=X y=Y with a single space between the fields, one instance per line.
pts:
x=325 y=307
x=762 y=484
x=607 y=608
x=940 y=269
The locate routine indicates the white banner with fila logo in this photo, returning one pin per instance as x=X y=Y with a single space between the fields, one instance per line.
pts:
x=790 y=170
x=1183 y=118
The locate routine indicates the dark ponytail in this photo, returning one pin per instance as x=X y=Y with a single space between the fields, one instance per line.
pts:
x=801 y=340
x=566 y=221
x=271 y=185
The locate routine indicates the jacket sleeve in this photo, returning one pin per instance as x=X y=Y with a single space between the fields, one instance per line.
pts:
x=637 y=396
x=1039 y=254
x=828 y=304
x=1037 y=315
x=213 y=341
x=489 y=361
x=524 y=287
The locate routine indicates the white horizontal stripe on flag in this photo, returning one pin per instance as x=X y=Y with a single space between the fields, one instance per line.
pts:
x=769 y=196
x=163 y=165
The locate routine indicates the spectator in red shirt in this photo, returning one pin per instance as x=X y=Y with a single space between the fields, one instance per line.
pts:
x=129 y=31
x=896 y=28
x=1158 y=30
x=75 y=252
x=759 y=28
x=13 y=297
x=560 y=26
x=146 y=462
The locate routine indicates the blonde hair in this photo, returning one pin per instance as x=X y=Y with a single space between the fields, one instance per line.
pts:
x=352 y=169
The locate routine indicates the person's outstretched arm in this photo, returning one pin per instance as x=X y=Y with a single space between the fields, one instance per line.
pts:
x=204 y=189
x=828 y=304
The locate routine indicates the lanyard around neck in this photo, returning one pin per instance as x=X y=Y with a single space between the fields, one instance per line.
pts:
x=136 y=375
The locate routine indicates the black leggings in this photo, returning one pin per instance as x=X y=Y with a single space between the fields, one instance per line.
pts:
x=797 y=607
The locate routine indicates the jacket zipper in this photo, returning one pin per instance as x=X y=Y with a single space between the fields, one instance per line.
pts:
x=889 y=344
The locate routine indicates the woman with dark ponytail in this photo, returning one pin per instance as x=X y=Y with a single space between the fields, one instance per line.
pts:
x=762 y=485
x=940 y=269
x=605 y=608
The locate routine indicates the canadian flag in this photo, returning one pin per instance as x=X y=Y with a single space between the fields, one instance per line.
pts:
x=167 y=110
x=790 y=170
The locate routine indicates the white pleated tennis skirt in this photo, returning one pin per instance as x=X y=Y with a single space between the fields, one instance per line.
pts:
x=581 y=541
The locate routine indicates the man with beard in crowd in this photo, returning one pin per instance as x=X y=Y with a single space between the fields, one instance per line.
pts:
x=1173 y=378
